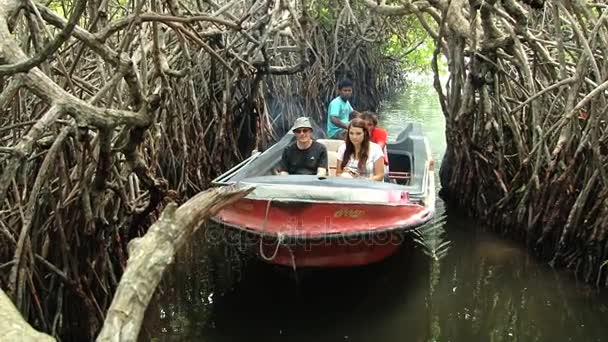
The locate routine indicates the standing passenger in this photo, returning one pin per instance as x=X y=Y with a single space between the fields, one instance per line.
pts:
x=339 y=110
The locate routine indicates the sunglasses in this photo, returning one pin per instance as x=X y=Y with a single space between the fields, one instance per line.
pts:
x=301 y=130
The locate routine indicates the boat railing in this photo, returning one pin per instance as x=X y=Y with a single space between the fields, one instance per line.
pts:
x=399 y=175
x=392 y=175
x=223 y=178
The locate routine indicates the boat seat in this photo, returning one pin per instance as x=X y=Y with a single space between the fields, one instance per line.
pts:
x=332 y=160
x=331 y=144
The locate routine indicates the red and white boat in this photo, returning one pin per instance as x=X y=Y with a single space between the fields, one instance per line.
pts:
x=307 y=221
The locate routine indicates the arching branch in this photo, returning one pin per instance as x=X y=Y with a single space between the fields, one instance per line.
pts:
x=50 y=48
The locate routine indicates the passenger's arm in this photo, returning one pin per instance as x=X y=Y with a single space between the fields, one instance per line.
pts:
x=322 y=166
x=339 y=169
x=334 y=114
x=336 y=121
x=283 y=164
x=382 y=139
x=339 y=159
x=378 y=170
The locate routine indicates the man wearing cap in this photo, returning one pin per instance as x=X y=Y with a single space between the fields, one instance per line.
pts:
x=305 y=156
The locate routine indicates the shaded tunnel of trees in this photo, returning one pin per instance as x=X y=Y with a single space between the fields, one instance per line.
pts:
x=112 y=110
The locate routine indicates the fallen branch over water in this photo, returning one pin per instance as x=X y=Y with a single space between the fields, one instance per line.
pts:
x=148 y=259
x=150 y=255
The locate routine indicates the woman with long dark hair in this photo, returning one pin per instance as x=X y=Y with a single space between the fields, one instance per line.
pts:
x=359 y=157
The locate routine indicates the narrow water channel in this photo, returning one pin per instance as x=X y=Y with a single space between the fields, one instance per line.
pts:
x=484 y=289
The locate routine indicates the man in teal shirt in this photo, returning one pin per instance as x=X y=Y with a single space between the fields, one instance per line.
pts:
x=339 y=110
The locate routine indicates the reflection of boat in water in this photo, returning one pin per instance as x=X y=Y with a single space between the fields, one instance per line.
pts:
x=332 y=221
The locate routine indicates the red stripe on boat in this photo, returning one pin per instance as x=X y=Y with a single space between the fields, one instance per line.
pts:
x=313 y=220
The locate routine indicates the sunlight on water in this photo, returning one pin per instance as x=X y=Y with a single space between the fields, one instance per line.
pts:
x=417 y=104
x=420 y=104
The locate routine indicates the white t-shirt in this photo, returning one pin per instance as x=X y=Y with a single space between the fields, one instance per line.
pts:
x=375 y=153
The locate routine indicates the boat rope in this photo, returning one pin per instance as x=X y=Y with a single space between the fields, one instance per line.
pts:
x=280 y=239
x=280 y=236
x=293 y=260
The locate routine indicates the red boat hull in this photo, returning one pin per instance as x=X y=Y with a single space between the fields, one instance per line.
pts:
x=303 y=234
x=336 y=252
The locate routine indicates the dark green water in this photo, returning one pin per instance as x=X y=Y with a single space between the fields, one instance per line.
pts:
x=484 y=289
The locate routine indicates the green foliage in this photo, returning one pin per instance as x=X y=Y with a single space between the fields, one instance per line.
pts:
x=58 y=7
x=401 y=39
x=411 y=45
x=323 y=16
x=413 y=57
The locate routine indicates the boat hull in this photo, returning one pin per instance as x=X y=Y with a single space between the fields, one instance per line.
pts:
x=334 y=252
x=326 y=234
x=310 y=221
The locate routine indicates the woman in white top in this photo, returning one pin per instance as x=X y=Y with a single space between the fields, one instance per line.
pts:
x=359 y=157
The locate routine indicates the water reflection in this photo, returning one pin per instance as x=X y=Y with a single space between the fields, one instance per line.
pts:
x=492 y=290
x=484 y=289
x=418 y=104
